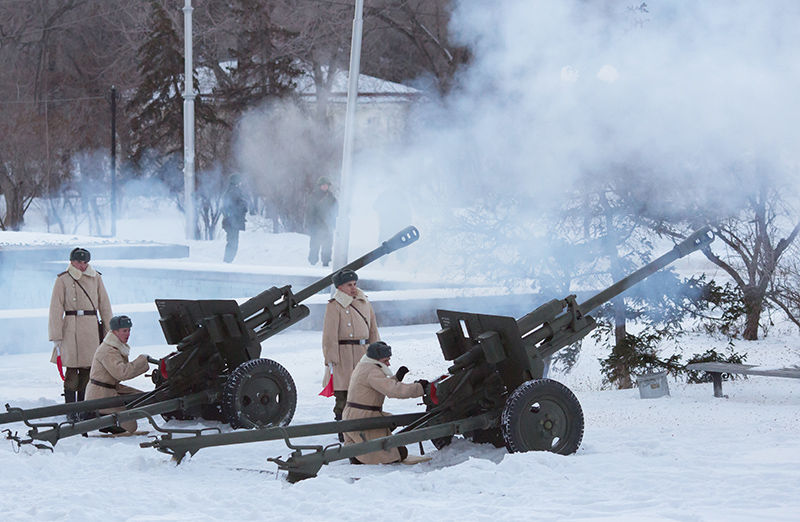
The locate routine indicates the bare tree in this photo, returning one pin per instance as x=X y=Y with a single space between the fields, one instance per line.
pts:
x=785 y=290
x=756 y=222
x=57 y=61
x=410 y=39
x=755 y=249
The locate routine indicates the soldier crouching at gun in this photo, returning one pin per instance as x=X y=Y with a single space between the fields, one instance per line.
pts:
x=110 y=366
x=370 y=384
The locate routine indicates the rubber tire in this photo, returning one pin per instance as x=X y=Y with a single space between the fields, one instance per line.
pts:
x=270 y=373
x=534 y=403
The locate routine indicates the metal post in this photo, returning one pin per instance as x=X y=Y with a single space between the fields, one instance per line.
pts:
x=113 y=161
x=342 y=238
x=188 y=125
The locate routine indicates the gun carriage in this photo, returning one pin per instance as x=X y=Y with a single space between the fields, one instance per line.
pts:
x=494 y=391
x=216 y=371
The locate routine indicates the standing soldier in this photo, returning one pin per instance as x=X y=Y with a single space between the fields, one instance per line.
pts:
x=320 y=221
x=349 y=326
x=234 y=211
x=111 y=364
x=73 y=326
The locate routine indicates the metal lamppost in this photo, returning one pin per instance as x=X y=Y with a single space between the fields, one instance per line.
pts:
x=342 y=237
x=113 y=161
x=188 y=124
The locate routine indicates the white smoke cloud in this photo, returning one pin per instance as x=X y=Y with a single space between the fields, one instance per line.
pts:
x=558 y=87
x=683 y=92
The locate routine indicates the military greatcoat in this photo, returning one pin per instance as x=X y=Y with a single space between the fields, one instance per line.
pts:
x=78 y=333
x=110 y=366
x=347 y=318
x=371 y=383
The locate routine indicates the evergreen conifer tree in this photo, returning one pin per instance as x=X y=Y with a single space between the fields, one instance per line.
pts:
x=156 y=107
x=264 y=65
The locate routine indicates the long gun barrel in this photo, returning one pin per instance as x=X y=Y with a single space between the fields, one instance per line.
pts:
x=697 y=241
x=269 y=312
x=541 y=324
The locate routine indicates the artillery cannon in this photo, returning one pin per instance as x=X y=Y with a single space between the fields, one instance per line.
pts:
x=216 y=371
x=494 y=391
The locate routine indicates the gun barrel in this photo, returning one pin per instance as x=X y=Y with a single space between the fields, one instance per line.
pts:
x=534 y=333
x=400 y=240
x=696 y=241
x=269 y=305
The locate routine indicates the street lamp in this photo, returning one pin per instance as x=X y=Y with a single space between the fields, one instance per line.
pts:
x=342 y=238
x=188 y=124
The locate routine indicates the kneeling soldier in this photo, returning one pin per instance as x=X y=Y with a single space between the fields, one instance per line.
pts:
x=110 y=366
x=370 y=384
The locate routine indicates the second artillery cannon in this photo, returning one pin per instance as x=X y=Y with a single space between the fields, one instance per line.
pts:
x=216 y=371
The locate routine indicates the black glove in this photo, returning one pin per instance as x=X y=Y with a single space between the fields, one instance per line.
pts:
x=401 y=372
x=426 y=386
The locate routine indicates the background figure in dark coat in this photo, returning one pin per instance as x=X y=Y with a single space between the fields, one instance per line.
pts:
x=320 y=222
x=234 y=210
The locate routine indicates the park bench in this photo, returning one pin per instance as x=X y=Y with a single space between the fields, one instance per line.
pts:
x=716 y=369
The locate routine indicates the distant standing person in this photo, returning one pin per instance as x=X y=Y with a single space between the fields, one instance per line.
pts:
x=234 y=210
x=112 y=364
x=348 y=328
x=320 y=222
x=74 y=325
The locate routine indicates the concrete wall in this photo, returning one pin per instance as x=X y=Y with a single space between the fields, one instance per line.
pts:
x=25 y=331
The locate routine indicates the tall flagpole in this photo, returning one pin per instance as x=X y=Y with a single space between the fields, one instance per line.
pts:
x=342 y=238
x=188 y=124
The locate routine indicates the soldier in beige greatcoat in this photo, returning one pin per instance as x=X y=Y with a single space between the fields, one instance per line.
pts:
x=111 y=365
x=349 y=326
x=79 y=296
x=371 y=383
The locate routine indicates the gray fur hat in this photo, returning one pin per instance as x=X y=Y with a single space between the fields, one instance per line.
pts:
x=120 y=321
x=379 y=350
x=344 y=276
x=80 y=254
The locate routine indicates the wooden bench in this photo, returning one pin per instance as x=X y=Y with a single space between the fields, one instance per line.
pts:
x=716 y=369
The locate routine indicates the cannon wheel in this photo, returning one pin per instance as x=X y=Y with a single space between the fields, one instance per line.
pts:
x=542 y=415
x=257 y=394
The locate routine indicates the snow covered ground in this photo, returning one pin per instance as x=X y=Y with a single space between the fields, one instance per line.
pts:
x=684 y=457
x=688 y=456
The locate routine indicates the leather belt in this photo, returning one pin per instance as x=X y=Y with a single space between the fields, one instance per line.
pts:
x=363 y=406
x=353 y=341
x=80 y=312
x=104 y=385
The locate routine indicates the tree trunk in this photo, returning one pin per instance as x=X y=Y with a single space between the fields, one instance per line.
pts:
x=624 y=380
x=754 y=304
x=14 y=217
